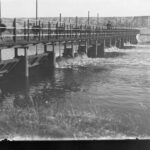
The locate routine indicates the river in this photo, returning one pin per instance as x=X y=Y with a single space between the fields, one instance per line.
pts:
x=83 y=98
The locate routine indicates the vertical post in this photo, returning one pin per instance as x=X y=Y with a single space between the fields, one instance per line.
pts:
x=76 y=21
x=14 y=30
x=54 y=60
x=110 y=43
x=60 y=18
x=39 y=31
x=0 y=13
x=56 y=30
x=59 y=50
x=16 y=52
x=0 y=55
x=45 y=48
x=88 y=17
x=36 y=48
x=86 y=47
x=24 y=30
x=36 y=11
x=42 y=30
x=104 y=43
x=48 y=31
x=96 y=45
x=72 y=49
x=28 y=30
x=26 y=62
x=70 y=31
x=97 y=19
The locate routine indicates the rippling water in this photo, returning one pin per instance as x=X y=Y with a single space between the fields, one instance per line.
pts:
x=82 y=98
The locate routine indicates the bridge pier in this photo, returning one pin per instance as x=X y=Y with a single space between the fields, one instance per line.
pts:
x=72 y=50
x=97 y=50
x=101 y=50
x=52 y=56
x=117 y=43
x=121 y=43
x=82 y=49
x=86 y=47
x=26 y=62
x=113 y=42
x=133 y=40
x=0 y=55
x=68 y=51
x=45 y=48
x=16 y=52
x=108 y=43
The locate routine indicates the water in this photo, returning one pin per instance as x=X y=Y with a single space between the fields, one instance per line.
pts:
x=83 y=98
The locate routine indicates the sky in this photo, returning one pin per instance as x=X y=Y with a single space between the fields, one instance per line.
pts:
x=72 y=8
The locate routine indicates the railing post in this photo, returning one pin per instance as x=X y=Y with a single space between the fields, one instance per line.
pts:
x=70 y=31
x=24 y=30
x=56 y=30
x=64 y=31
x=42 y=28
x=14 y=30
x=48 y=31
x=28 y=30
x=39 y=30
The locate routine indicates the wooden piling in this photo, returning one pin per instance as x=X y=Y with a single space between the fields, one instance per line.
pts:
x=96 y=46
x=26 y=62
x=54 y=59
x=14 y=30
x=72 y=49
x=0 y=55
x=86 y=46
x=16 y=52
x=45 y=48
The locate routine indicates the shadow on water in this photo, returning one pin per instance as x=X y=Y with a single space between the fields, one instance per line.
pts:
x=114 y=54
x=129 y=47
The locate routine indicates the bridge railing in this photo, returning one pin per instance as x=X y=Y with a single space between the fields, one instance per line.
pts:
x=39 y=31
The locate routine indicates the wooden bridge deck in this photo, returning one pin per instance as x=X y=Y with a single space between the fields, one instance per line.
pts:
x=51 y=33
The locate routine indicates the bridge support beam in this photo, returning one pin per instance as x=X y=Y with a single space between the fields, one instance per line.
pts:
x=26 y=62
x=118 y=43
x=68 y=52
x=108 y=43
x=45 y=48
x=52 y=56
x=82 y=49
x=16 y=52
x=121 y=43
x=113 y=42
x=0 y=55
x=72 y=49
x=94 y=51
x=101 y=50
x=86 y=47
x=133 y=40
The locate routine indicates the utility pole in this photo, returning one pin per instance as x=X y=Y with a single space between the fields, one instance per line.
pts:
x=88 y=17
x=36 y=11
x=0 y=13
x=76 y=21
x=97 y=19
x=60 y=18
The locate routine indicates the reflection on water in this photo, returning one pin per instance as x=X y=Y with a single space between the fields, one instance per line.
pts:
x=82 y=98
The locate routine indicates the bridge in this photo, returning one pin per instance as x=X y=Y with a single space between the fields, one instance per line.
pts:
x=91 y=40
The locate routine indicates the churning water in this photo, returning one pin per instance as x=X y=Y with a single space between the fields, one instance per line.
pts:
x=83 y=98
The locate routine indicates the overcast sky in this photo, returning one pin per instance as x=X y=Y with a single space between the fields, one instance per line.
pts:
x=72 y=8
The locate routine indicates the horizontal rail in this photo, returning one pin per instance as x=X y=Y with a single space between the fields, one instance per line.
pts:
x=28 y=32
